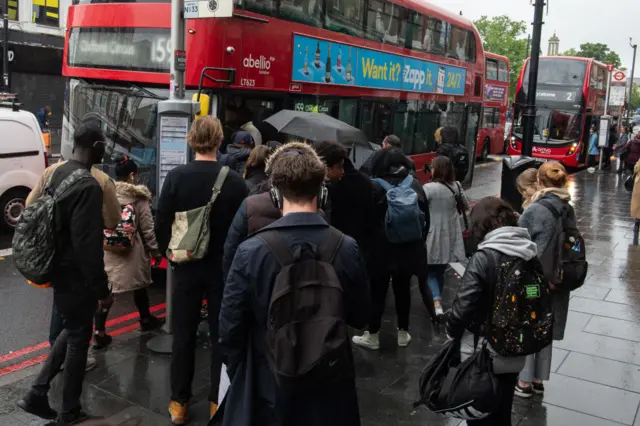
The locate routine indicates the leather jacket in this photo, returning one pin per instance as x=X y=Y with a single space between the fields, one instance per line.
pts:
x=473 y=303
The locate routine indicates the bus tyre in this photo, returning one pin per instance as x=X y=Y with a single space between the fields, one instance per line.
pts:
x=12 y=204
x=484 y=153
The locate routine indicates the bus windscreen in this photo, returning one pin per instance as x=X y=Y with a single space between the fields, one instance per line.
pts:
x=558 y=72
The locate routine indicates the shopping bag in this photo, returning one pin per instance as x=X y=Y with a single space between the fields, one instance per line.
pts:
x=224 y=384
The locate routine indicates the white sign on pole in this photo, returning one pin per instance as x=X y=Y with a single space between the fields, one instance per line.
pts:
x=618 y=95
x=199 y=9
x=603 y=135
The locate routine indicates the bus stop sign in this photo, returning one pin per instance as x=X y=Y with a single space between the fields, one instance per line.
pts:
x=610 y=67
x=619 y=76
x=199 y=9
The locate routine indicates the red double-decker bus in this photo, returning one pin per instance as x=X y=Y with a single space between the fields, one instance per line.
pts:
x=387 y=67
x=495 y=103
x=570 y=98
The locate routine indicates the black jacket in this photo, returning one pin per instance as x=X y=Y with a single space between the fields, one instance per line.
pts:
x=254 y=177
x=352 y=205
x=189 y=187
x=227 y=160
x=472 y=304
x=240 y=154
x=79 y=229
x=254 y=399
x=372 y=165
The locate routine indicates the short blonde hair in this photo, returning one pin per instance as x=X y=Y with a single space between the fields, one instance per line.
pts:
x=297 y=171
x=205 y=135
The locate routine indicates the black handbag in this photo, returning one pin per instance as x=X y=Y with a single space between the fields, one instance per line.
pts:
x=628 y=184
x=470 y=243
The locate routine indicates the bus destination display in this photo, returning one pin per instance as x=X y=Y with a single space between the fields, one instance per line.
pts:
x=321 y=61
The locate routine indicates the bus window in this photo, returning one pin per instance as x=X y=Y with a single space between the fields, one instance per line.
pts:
x=345 y=16
x=375 y=120
x=307 y=12
x=435 y=36
x=348 y=111
x=503 y=72
x=417 y=32
x=492 y=70
x=490 y=117
x=263 y=7
x=384 y=22
x=457 y=47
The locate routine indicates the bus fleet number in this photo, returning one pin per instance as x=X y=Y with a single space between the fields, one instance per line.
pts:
x=247 y=82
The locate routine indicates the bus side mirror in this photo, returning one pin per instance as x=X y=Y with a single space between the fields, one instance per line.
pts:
x=204 y=104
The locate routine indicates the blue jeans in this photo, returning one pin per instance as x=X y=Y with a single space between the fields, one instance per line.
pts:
x=435 y=280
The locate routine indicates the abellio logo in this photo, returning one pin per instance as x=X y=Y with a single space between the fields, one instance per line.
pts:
x=262 y=63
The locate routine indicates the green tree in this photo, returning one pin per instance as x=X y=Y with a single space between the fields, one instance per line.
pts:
x=598 y=51
x=504 y=36
x=635 y=100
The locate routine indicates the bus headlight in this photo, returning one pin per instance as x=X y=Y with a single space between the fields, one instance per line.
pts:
x=572 y=149
x=513 y=142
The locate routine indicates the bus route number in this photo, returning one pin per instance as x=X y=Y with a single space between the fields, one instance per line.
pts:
x=247 y=82
x=454 y=80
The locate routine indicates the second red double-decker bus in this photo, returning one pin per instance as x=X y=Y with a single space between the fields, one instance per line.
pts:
x=570 y=98
x=491 y=134
x=387 y=67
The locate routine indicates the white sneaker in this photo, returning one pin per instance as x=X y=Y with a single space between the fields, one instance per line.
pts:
x=368 y=340
x=439 y=310
x=404 y=338
x=91 y=363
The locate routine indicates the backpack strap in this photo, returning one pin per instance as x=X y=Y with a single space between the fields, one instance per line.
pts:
x=554 y=211
x=407 y=182
x=331 y=245
x=75 y=176
x=280 y=250
x=217 y=186
x=383 y=183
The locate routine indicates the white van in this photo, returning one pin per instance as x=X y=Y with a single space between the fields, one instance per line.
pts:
x=23 y=158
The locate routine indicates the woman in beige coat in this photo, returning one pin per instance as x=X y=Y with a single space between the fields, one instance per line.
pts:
x=635 y=198
x=128 y=250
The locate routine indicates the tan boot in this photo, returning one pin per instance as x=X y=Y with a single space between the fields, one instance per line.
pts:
x=213 y=409
x=178 y=413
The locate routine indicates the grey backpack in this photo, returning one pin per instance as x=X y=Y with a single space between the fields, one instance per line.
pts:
x=34 y=244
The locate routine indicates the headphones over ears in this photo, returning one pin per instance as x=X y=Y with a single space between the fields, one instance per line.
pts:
x=276 y=197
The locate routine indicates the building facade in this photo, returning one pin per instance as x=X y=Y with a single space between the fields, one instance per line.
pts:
x=36 y=42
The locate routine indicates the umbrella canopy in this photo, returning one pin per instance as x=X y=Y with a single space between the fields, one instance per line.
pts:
x=315 y=127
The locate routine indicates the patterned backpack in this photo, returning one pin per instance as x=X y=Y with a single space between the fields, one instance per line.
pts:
x=522 y=319
x=122 y=239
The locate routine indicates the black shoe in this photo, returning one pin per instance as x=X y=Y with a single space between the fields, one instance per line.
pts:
x=151 y=323
x=38 y=405
x=537 y=388
x=101 y=342
x=78 y=416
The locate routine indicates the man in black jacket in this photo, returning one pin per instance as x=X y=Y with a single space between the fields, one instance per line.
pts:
x=254 y=397
x=80 y=284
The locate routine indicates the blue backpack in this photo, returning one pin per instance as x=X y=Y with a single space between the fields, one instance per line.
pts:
x=404 y=222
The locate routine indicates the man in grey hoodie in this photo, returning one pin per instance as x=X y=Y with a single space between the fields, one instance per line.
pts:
x=495 y=223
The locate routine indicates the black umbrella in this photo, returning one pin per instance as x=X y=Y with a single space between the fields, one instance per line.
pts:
x=315 y=127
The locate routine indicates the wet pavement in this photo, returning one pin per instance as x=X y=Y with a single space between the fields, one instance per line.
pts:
x=595 y=374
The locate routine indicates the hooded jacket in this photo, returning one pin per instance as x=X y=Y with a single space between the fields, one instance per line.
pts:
x=131 y=270
x=240 y=149
x=542 y=226
x=473 y=303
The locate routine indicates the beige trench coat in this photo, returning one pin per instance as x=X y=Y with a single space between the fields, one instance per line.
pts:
x=131 y=270
x=635 y=198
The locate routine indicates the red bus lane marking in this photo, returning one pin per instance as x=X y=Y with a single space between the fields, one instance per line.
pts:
x=22 y=352
x=41 y=358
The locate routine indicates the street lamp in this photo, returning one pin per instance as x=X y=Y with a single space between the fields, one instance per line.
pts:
x=633 y=69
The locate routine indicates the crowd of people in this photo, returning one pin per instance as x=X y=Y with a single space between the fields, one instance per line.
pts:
x=300 y=245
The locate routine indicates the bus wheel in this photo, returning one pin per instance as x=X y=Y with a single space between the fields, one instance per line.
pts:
x=484 y=154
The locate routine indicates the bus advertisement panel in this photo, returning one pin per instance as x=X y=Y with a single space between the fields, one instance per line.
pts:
x=570 y=98
x=406 y=70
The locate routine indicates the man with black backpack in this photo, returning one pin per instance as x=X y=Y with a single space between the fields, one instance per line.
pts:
x=457 y=152
x=59 y=240
x=292 y=290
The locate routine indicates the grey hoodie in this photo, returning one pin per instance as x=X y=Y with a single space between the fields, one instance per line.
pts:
x=511 y=241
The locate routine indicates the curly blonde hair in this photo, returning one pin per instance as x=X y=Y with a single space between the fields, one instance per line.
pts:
x=205 y=135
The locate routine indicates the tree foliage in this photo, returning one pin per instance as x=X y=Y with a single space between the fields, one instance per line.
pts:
x=635 y=100
x=598 y=51
x=504 y=36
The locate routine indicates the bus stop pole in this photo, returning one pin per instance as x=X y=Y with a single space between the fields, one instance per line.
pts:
x=163 y=344
x=606 y=113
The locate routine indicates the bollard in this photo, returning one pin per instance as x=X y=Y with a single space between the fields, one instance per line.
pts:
x=163 y=344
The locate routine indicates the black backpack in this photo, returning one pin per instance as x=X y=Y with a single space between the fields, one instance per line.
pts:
x=565 y=259
x=34 y=244
x=522 y=319
x=459 y=156
x=307 y=340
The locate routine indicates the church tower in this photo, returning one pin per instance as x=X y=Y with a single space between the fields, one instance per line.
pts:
x=554 y=46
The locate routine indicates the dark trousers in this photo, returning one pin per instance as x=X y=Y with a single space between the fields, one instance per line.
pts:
x=592 y=162
x=140 y=299
x=56 y=326
x=192 y=284
x=70 y=348
x=502 y=416
x=401 y=283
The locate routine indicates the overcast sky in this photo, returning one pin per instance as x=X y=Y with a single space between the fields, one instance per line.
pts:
x=611 y=22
